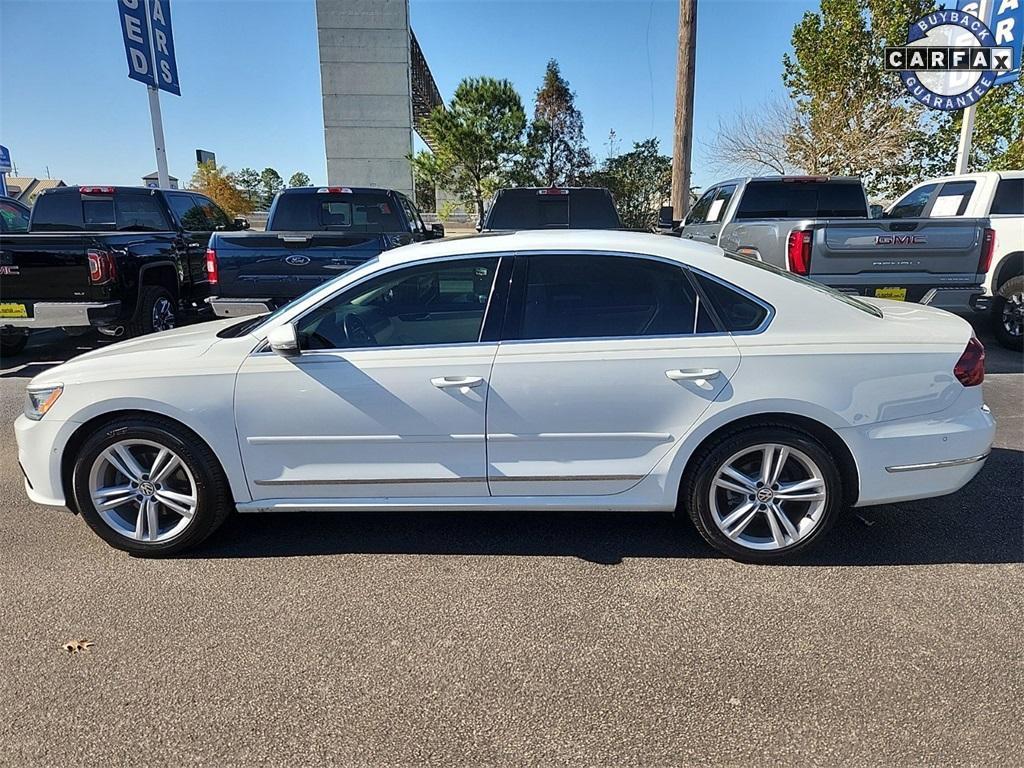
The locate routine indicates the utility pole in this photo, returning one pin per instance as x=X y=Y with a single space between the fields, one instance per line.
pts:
x=682 y=144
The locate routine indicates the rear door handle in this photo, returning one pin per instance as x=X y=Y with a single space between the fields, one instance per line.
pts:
x=444 y=382
x=693 y=374
x=712 y=236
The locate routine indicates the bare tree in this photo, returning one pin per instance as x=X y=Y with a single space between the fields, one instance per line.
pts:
x=754 y=142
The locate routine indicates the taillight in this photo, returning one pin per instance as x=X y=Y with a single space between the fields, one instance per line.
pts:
x=212 y=275
x=970 y=368
x=334 y=191
x=102 y=268
x=988 y=247
x=96 y=190
x=798 y=251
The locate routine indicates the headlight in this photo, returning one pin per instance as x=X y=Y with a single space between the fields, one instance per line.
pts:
x=41 y=399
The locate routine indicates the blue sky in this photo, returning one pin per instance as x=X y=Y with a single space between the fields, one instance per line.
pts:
x=251 y=88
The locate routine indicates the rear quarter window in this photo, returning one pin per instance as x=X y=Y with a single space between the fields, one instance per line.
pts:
x=1009 y=197
x=737 y=312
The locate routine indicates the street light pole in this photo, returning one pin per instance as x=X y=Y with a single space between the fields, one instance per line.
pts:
x=682 y=144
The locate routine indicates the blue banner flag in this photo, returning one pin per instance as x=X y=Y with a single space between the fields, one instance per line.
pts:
x=149 y=43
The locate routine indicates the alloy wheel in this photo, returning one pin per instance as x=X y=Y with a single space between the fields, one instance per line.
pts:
x=1013 y=314
x=163 y=314
x=768 y=496
x=143 y=490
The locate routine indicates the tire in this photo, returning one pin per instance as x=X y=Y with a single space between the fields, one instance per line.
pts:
x=12 y=344
x=198 y=476
x=1008 y=313
x=156 y=311
x=763 y=537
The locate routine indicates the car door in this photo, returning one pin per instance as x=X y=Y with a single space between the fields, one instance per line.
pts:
x=606 y=361
x=696 y=226
x=196 y=227
x=387 y=397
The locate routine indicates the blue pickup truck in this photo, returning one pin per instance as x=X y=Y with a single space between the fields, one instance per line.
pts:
x=313 y=234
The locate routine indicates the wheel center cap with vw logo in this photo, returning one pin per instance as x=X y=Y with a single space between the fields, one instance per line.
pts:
x=764 y=495
x=146 y=488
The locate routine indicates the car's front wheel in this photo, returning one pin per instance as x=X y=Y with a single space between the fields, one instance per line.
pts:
x=1008 y=313
x=149 y=486
x=762 y=494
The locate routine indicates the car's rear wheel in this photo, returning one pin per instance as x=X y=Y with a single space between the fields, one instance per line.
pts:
x=156 y=311
x=12 y=343
x=149 y=487
x=764 y=493
x=1008 y=313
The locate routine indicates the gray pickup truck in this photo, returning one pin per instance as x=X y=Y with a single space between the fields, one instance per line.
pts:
x=819 y=227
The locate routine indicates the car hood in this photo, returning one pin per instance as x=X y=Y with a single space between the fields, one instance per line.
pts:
x=163 y=349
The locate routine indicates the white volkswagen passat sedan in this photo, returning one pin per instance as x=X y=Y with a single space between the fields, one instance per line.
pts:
x=544 y=370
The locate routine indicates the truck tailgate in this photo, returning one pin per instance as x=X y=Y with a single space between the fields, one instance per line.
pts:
x=44 y=267
x=879 y=246
x=283 y=265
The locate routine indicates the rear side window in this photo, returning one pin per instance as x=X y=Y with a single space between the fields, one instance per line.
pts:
x=952 y=199
x=139 y=213
x=721 y=202
x=1009 y=197
x=736 y=311
x=13 y=218
x=580 y=296
x=801 y=200
x=913 y=203
x=358 y=212
x=60 y=212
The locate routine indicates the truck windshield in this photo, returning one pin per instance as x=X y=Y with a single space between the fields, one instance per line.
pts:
x=363 y=212
x=779 y=199
x=541 y=209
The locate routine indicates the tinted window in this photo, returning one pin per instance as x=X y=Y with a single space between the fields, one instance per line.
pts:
x=736 y=311
x=440 y=303
x=584 y=296
x=952 y=199
x=14 y=218
x=357 y=212
x=913 y=203
x=60 y=212
x=721 y=202
x=189 y=212
x=139 y=212
x=98 y=212
x=699 y=213
x=215 y=216
x=802 y=200
x=410 y=213
x=1009 y=197
x=542 y=209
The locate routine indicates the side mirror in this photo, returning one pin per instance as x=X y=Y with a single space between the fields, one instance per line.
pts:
x=665 y=222
x=241 y=222
x=284 y=340
x=875 y=212
x=437 y=230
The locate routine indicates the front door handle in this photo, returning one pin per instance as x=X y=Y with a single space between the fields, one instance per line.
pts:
x=693 y=374
x=712 y=236
x=444 y=382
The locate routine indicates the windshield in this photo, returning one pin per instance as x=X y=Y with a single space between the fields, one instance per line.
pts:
x=846 y=298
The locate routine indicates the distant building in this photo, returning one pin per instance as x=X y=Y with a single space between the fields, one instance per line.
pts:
x=26 y=189
x=152 y=180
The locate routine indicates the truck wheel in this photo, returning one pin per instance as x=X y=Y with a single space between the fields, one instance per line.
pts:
x=1008 y=313
x=156 y=311
x=12 y=343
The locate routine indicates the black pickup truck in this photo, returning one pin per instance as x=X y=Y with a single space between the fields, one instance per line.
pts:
x=124 y=260
x=313 y=234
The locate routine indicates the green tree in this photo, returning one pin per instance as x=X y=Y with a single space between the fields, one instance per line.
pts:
x=298 y=179
x=640 y=180
x=220 y=186
x=556 y=137
x=477 y=138
x=428 y=174
x=249 y=182
x=270 y=184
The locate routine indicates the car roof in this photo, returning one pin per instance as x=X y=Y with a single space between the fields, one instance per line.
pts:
x=527 y=241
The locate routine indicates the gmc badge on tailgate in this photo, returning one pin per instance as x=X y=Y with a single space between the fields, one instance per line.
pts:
x=900 y=240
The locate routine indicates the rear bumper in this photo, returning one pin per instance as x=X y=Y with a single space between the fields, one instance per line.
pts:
x=65 y=314
x=223 y=307
x=922 y=457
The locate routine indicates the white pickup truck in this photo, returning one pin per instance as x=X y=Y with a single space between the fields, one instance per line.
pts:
x=999 y=196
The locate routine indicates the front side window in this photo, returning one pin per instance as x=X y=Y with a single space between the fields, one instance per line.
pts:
x=189 y=212
x=699 y=213
x=952 y=199
x=913 y=203
x=580 y=296
x=14 y=218
x=721 y=202
x=436 y=303
x=214 y=215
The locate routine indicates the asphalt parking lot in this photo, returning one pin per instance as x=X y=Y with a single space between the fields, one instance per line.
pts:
x=462 y=639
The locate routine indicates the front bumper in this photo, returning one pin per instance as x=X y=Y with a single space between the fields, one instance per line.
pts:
x=240 y=307
x=65 y=314
x=40 y=444
x=924 y=456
